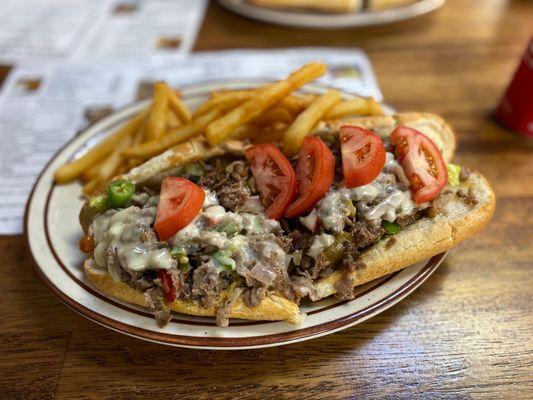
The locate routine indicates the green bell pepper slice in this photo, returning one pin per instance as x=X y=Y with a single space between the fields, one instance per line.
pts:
x=391 y=228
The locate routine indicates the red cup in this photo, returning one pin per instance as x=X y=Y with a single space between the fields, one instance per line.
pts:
x=516 y=107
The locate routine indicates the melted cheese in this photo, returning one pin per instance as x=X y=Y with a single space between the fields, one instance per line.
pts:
x=333 y=209
x=386 y=198
x=320 y=243
x=121 y=231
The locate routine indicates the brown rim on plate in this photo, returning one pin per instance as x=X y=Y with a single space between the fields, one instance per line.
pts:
x=198 y=341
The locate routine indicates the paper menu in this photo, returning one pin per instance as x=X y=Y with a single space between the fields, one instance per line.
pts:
x=42 y=28
x=348 y=69
x=132 y=30
x=97 y=30
x=42 y=106
x=40 y=109
x=27 y=140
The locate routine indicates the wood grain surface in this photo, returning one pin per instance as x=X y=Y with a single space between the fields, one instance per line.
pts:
x=466 y=333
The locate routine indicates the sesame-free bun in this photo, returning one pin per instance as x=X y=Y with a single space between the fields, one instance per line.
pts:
x=455 y=221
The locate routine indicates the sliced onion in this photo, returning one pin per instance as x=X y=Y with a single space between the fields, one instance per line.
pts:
x=400 y=174
x=262 y=274
x=113 y=265
x=222 y=312
x=310 y=221
x=253 y=205
x=234 y=296
x=301 y=286
x=297 y=257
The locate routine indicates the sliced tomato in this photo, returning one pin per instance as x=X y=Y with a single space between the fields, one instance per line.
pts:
x=274 y=177
x=315 y=169
x=421 y=161
x=363 y=155
x=180 y=201
x=166 y=285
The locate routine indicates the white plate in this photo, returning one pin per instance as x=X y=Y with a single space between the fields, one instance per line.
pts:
x=310 y=19
x=52 y=232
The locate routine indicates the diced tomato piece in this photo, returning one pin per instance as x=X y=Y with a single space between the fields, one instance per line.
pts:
x=167 y=286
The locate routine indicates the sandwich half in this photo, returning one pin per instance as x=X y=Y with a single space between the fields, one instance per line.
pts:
x=243 y=243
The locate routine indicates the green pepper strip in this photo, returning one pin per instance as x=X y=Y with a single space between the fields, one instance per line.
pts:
x=120 y=192
x=391 y=228
x=194 y=170
x=99 y=203
x=180 y=255
x=222 y=258
x=453 y=174
x=350 y=208
x=335 y=252
x=228 y=227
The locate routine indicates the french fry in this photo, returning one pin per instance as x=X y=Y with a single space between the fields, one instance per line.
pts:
x=308 y=98
x=204 y=108
x=140 y=135
x=224 y=106
x=113 y=162
x=178 y=106
x=375 y=107
x=243 y=94
x=221 y=128
x=154 y=147
x=245 y=131
x=91 y=172
x=303 y=124
x=296 y=103
x=133 y=162
x=109 y=166
x=172 y=121
x=358 y=106
x=138 y=138
x=273 y=114
x=157 y=121
x=91 y=186
x=122 y=168
x=225 y=99
x=71 y=171
x=228 y=99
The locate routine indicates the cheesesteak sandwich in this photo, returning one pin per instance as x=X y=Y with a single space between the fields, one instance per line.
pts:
x=242 y=230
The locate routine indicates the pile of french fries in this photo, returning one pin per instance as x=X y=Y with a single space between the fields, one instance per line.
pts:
x=269 y=113
x=166 y=113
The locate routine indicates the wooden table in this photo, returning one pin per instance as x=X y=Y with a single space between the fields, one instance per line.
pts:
x=467 y=332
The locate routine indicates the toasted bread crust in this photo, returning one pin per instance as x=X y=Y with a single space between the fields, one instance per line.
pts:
x=272 y=308
x=193 y=149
